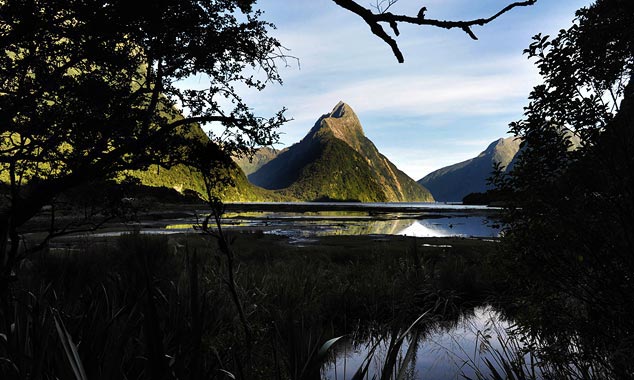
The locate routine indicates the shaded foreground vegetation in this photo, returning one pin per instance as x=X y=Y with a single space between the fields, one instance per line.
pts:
x=160 y=307
x=168 y=308
x=570 y=207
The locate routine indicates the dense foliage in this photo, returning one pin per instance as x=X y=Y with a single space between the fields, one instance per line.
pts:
x=88 y=89
x=570 y=219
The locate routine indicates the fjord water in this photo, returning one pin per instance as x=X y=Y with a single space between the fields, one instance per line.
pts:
x=444 y=349
x=301 y=220
x=311 y=219
x=441 y=349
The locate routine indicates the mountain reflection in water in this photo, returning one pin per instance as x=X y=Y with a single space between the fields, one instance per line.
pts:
x=446 y=222
x=306 y=220
x=476 y=226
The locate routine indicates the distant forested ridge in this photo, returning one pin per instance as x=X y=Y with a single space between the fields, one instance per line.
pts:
x=183 y=178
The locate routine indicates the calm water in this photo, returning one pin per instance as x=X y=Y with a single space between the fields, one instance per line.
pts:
x=455 y=351
x=305 y=220
x=352 y=206
x=302 y=220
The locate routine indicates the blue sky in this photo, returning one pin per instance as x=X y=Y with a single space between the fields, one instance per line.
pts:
x=446 y=103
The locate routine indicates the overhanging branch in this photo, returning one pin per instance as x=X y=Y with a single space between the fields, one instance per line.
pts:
x=374 y=20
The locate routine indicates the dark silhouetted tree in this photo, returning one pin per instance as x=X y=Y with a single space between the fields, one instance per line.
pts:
x=91 y=88
x=570 y=233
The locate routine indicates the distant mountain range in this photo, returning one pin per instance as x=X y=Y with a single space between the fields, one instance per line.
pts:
x=261 y=157
x=336 y=161
x=452 y=183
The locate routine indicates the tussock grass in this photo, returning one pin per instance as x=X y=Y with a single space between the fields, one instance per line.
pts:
x=158 y=307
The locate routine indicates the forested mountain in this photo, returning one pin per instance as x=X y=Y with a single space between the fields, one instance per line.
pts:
x=183 y=177
x=336 y=161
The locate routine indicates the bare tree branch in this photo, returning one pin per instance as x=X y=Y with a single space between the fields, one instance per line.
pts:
x=382 y=16
x=371 y=19
x=382 y=6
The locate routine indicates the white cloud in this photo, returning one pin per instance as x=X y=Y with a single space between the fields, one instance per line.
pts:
x=458 y=95
x=427 y=95
x=452 y=95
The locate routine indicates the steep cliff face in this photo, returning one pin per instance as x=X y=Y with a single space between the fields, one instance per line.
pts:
x=454 y=182
x=336 y=161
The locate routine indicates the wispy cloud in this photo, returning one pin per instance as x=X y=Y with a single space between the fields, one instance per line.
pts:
x=450 y=99
x=453 y=95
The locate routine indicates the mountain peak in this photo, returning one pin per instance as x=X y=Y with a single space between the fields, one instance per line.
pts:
x=335 y=160
x=505 y=150
x=452 y=183
x=344 y=125
x=341 y=110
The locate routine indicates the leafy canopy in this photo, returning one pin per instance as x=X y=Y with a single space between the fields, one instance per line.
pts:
x=570 y=215
x=89 y=88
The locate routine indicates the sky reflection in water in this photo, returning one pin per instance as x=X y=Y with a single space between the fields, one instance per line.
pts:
x=439 y=353
x=448 y=223
x=418 y=220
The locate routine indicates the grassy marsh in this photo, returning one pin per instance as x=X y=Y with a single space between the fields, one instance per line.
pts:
x=159 y=307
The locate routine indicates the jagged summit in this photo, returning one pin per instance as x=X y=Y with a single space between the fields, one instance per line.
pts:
x=342 y=122
x=336 y=161
x=491 y=147
x=341 y=110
